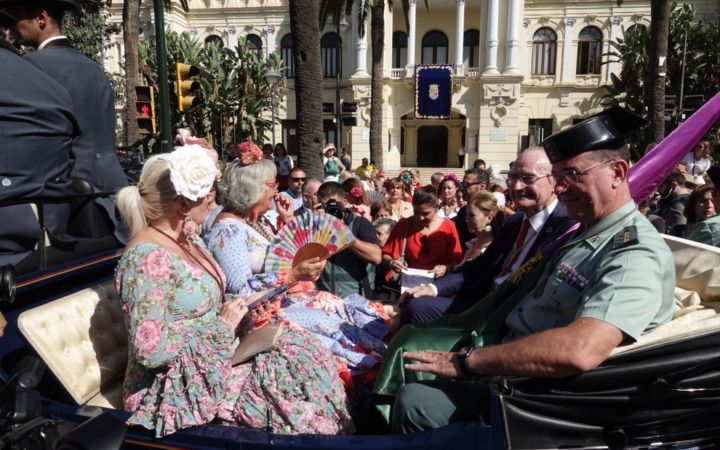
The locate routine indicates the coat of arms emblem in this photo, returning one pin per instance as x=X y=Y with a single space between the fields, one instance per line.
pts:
x=434 y=91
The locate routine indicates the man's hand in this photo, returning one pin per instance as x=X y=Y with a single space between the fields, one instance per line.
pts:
x=440 y=270
x=415 y=292
x=398 y=265
x=442 y=364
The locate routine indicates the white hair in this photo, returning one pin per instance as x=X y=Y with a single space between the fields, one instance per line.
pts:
x=243 y=186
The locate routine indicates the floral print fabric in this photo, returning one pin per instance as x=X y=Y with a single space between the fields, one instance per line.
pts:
x=179 y=374
x=352 y=328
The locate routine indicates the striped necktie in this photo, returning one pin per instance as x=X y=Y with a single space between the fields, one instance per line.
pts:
x=517 y=248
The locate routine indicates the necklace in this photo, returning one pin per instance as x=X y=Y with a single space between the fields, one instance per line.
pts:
x=214 y=274
x=261 y=228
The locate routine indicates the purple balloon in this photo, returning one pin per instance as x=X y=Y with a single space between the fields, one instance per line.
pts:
x=656 y=165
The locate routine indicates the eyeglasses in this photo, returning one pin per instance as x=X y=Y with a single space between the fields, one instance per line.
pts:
x=574 y=175
x=526 y=180
x=424 y=245
x=272 y=184
x=299 y=180
x=467 y=184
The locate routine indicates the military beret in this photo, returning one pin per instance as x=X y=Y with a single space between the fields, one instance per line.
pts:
x=603 y=131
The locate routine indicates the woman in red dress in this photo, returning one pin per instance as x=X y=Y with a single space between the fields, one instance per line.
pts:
x=432 y=242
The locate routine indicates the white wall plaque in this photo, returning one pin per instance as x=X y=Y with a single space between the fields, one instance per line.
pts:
x=498 y=134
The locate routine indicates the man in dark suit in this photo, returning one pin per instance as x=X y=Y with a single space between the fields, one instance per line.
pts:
x=37 y=24
x=36 y=131
x=541 y=220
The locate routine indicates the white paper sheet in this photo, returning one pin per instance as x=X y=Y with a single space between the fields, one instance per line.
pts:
x=415 y=277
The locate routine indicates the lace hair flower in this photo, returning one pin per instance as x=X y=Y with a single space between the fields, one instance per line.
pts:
x=192 y=172
x=356 y=192
x=406 y=176
x=250 y=153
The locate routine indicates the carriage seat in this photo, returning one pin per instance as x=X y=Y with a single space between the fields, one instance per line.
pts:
x=83 y=340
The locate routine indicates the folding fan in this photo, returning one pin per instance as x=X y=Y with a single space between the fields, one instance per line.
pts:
x=311 y=235
x=374 y=196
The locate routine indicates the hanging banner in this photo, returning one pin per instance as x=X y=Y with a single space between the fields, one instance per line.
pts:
x=433 y=91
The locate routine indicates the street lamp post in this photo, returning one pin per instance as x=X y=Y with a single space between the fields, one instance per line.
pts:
x=272 y=77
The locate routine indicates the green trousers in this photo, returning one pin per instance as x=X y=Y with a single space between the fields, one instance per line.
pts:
x=432 y=404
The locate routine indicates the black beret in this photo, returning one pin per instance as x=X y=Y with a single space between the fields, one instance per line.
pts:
x=603 y=131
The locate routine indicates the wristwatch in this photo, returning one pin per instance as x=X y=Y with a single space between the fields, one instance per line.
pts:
x=462 y=362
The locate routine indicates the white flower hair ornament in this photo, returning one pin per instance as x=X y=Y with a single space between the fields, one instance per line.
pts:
x=192 y=172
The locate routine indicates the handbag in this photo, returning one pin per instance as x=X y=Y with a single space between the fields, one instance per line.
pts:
x=395 y=276
x=258 y=341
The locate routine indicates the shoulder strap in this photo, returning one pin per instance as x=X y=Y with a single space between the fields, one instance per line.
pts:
x=404 y=241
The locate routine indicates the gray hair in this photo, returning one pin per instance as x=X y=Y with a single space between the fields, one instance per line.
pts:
x=243 y=186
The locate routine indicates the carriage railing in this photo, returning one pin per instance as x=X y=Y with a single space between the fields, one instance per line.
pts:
x=40 y=202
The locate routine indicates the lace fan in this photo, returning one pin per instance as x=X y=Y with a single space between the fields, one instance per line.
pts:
x=313 y=234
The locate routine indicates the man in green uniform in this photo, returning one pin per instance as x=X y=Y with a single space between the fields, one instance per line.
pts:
x=708 y=231
x=610 y=283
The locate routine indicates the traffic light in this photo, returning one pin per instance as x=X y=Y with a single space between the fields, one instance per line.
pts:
x=145 y=106
x=187 y=86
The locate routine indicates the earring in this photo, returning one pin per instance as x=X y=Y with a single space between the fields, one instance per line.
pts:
x=488 y=228
x=190 y=228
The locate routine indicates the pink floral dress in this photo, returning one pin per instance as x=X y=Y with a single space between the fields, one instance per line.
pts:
x=179 y=374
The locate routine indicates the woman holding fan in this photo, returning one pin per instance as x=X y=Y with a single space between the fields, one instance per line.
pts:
x=352 y=328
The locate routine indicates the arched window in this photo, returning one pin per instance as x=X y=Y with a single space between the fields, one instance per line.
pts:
x=330 y=54
x=254 y=44
x=435 y=48
x=635 y=28
x=213 y=39
x=286 y=55
x=399 y=55
x=589 y=48
x=544 y=51
x=471 y=42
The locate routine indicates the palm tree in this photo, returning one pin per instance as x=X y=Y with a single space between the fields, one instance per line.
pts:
x=305 y=28
x=131 y=33
x=660 y=32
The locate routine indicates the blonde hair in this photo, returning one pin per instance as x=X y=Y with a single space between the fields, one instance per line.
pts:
x=151 y=198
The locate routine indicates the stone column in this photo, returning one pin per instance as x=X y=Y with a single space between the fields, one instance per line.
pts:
x=459 y=32
x=232 y=37
x=513 y=42
x=360 y=44
x=491 y=41
x=614 y=33
x=270 y=38
x=412 y=8
x=567 y=69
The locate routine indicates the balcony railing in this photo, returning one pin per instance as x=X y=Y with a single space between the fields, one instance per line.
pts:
x=397 y=73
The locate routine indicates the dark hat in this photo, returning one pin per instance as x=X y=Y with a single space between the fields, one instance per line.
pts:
x=66 y=4
x=603 y=131
x=714 y=174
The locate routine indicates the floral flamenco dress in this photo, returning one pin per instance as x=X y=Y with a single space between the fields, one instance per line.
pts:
x=179 y=373
x=352 y=328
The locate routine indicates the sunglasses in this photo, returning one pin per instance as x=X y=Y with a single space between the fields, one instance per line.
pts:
x=299 y=180
x=424 y=245
x=466 y=184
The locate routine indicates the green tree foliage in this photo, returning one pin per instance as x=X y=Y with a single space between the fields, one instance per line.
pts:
x=234 y=92
x=88 y=27
x=702 y=65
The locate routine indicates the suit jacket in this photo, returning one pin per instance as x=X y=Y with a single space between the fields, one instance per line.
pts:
x=36 y=132
x=475 y=278
x=93 y=105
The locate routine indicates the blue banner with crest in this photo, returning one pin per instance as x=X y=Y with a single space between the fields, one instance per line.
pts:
x=433 y=91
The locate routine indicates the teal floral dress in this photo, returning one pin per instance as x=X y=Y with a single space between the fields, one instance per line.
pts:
x=179 y=374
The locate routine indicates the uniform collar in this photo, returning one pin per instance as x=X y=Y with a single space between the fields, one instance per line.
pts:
x=598 y=233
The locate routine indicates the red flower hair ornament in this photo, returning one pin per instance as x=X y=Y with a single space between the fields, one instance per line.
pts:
x=250 y=153
x=356 y=192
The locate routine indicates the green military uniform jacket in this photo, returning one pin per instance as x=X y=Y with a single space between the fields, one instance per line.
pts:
x=619 y=271
x=706 y=231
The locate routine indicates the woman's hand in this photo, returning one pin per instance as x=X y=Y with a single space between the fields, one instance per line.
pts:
x=440 y=270
x=284 y=207
x=233 y=311
x=309 y=270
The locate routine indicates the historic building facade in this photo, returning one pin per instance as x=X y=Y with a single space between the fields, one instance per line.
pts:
x=521 y=69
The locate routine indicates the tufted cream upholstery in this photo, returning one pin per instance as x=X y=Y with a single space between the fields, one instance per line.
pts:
x=83 y=340
x=697 y=294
